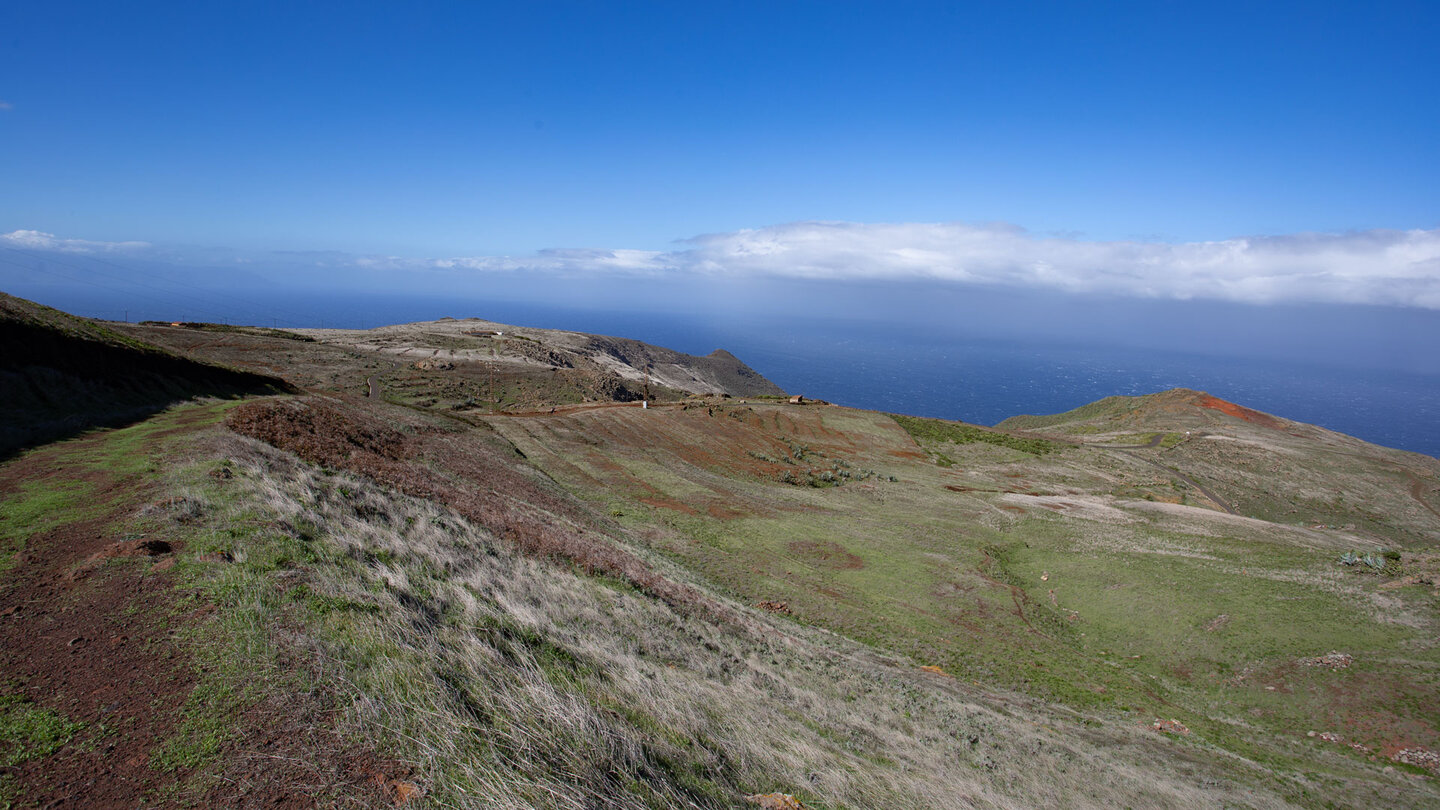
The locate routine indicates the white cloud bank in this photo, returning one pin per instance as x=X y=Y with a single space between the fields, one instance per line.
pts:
x=39 y=240
x=1396 y=268
x=1383 y=267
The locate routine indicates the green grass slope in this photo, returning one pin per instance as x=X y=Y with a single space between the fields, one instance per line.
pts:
x=1173 y=602
x=1099 y=578
x=491 y=674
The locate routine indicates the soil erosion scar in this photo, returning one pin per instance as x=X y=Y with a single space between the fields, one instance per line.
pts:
x=1239 y=412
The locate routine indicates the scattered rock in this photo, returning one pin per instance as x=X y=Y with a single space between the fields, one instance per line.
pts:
x=398 y=791
x=775 y=801
x=180 y=508
x=434 y=364
x=1330 y=660
x=774 y=607
x=1420 y=757
x=1171 y=726
x=1217 y=622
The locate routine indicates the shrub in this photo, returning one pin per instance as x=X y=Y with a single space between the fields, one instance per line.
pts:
x=938 y=430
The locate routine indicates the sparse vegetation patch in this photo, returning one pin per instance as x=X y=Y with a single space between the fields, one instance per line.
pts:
x=940 y=431
x=29 y=732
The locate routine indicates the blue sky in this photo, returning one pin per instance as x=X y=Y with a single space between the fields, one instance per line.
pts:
x=475 y=129
x=1247 y=181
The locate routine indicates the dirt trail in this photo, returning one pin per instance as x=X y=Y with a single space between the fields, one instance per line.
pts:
x=67 y=646
x=1417 y=491
x=89 y=625
x=561 y=410
x=1216 y=499
x=1154 y=442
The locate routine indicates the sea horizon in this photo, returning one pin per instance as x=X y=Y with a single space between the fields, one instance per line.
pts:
x=902 y=367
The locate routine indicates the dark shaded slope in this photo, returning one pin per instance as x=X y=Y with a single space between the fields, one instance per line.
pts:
x=720 y=370
x=60 y=374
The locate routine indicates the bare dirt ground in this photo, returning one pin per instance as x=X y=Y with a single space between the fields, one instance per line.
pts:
x=91 y=623
x=67 y=644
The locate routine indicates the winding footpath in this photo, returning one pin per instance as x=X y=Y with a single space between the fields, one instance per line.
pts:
x=1154 y=442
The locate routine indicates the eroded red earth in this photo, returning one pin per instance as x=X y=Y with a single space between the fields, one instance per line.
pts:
x=1239 y=412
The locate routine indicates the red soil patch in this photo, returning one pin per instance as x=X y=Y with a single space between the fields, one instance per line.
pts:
x=95 y=643
x=1239 y=412
x=666 y=503
x=958 y=488
x=71 y=649
x=722 y=512
x=124 y=548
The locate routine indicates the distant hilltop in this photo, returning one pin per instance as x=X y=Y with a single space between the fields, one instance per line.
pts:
x=469 y=366
x=473 y=340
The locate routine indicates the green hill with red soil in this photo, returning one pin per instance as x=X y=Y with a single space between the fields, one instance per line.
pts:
x=461 y=567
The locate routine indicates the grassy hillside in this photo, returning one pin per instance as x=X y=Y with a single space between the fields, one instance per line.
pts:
x=375 y=601
x=469 y=672
x=469 y=367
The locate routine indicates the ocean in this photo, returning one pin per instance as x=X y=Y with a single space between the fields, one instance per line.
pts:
x=985 y=381
x=908 y=367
